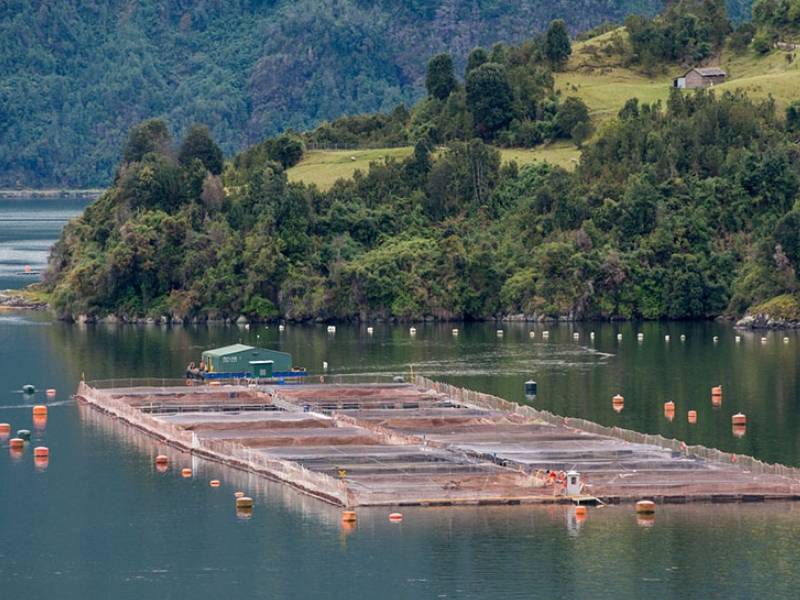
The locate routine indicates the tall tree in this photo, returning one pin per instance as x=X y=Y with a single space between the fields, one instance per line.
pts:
x=475 y=59
x=440 y=79
x=198 y=144
x=557 y=46
x=489 y=99
x=149 y=136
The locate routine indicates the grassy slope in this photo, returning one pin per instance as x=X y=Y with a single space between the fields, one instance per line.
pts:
x=605 y=85
x=324 y=167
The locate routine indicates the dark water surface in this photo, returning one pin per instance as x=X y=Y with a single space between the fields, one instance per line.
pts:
x=28 y=227
x=100 y=522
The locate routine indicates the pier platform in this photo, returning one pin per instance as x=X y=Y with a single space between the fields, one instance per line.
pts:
x=427 y=443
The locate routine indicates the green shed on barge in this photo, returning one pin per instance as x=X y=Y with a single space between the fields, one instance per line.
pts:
x=238 y=358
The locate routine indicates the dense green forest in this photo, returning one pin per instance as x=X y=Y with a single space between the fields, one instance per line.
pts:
x=75 y=76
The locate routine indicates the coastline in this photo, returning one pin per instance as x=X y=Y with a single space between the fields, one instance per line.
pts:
x=87 y=194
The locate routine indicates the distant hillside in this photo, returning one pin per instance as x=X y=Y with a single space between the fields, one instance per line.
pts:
x=74 y=76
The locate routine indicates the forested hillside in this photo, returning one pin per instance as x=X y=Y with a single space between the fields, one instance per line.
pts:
x=75 y=76
x=687 y=210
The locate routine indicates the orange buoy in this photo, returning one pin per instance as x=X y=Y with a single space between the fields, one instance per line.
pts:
x=186 y=472
x=41 y=451
x=581 y=512
x=40 y=410
x=238 y=494
x=16 y=443
x=161 y=459
x=5 y=429
x=349 y=516
x=692 y=416
x=618 y=403
x=51 y=392
x=395 y=517
x=669 y=410
x=739 y=419
x=244 y=502
x=645 y=507
x=214 y=483
x=739 y=431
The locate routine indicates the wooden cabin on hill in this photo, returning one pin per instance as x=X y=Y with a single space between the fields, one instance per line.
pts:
x=700 y=77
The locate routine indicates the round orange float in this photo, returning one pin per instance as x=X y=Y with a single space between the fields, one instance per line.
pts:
x=244 y=502
x=214 y=483
x=186 y=472
x=645 y=507
x=162 y=460
x=41 y=452
x=16 y=443
x=349 y=516
x=40 y=410
x=395 y=517
x=692 y=417
x=5 y=429
x=739 y=419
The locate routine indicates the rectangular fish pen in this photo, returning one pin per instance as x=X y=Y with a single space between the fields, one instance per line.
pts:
x=430 y=444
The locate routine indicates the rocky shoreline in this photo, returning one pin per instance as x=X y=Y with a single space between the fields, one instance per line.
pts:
x=765 y=321
x=13 y=300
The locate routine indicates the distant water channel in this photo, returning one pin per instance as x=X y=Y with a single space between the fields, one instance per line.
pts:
x=28 y=227
x=100 y=522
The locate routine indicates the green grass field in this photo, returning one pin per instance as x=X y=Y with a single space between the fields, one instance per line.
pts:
x=605 y=85
x=324 y=167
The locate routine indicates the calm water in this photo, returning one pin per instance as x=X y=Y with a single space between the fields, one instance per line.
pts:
x=28 y=227
x=100 y=522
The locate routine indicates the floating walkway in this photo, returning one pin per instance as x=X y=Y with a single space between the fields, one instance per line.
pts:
x=431 y=444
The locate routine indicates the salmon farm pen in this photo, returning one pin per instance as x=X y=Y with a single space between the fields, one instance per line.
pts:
x=430 y=444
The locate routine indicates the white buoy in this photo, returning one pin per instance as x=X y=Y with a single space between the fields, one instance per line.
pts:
x=591 y=335
x=247 y=326
x=499 y=333
x=531 y=334
x=576 y=336
x=715 y=339
x=640 y=337
x=331 y=328
x=545 y=334
x=370 y=330
x=455 y=332
x=738 y=339
x=666 y=338
x=619 y=337
x=281 y=327
x=786 y=340
x=683 y=338
x=763 y=340
x=324 y=365
x=412 y=330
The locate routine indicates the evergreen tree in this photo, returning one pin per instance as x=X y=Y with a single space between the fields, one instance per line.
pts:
x=440 y=80
x=557 y=46
x=198 y=144
x=489 y=99
x=149 y=136
x=475 y=59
